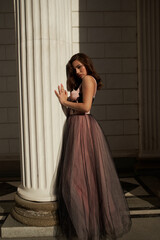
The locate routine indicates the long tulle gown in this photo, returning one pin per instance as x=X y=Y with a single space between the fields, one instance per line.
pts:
x=92 y=205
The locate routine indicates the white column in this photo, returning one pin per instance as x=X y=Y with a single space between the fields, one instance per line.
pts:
x=44 y=47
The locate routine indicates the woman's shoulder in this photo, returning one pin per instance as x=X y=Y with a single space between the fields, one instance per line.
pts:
x=88 y=79
x=89 y=82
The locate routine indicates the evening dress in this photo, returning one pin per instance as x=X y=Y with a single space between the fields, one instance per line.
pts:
x=92 y=205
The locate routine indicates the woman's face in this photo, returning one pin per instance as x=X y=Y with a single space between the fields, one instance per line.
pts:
x=80 y=69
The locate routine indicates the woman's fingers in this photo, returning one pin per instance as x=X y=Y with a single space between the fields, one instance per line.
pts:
x=57 y=94
x=60 y=90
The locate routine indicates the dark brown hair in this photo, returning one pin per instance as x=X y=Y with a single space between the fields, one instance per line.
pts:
x=73 y=81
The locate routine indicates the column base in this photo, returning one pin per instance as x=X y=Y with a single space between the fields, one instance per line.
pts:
x=40 y=214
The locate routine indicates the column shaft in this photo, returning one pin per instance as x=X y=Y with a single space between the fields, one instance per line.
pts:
x=44 y=47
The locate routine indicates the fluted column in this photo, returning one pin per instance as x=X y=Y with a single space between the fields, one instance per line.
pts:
x=149 y=77
x=44 y=47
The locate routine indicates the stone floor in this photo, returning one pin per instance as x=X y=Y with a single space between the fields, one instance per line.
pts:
x=141 y=193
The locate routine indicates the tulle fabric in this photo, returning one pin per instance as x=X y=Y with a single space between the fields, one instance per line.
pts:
x=92 y=205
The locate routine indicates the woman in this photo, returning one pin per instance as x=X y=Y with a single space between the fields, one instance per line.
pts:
x=92 y=205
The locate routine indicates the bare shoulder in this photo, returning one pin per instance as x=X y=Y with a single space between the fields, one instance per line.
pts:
x=88 y=81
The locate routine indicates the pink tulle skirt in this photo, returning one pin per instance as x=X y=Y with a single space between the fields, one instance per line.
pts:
x=92 y=205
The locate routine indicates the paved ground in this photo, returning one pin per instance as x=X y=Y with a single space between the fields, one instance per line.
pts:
x=143 y=203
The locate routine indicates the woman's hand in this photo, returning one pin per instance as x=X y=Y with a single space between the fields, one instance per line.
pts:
x=61 y=94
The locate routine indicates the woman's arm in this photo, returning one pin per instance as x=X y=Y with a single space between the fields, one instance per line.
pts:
x=88 y=88
x=65 y=110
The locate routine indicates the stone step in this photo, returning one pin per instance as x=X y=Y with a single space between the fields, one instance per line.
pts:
x=13 y=229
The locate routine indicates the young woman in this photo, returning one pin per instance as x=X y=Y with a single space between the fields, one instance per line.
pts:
x=92 y=205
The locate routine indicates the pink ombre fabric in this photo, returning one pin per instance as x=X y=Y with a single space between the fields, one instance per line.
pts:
x=92 y=205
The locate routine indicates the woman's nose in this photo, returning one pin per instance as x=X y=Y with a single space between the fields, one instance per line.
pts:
x=77 y=70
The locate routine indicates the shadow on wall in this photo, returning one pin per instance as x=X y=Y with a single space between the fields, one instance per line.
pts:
x=9 y=96
x=107 y=33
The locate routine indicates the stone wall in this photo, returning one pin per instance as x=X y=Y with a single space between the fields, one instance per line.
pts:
x=106 y=31
x=9 y=119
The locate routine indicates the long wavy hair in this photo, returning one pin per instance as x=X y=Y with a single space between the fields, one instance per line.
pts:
x=73 y=81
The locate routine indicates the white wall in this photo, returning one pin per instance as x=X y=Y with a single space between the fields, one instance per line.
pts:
x=9 y=127
x=106 y=31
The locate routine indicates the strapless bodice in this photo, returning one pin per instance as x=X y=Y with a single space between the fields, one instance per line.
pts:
x=76 y=96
